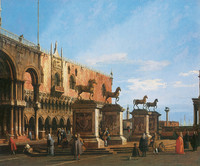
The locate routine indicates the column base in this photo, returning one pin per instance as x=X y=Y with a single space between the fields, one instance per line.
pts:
x=117 y=140
x=93 y=143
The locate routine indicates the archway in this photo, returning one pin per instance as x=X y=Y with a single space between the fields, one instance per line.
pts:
x=61 y=123
x=32 y=82
x=7 y=92
x=40 y=122
x=54 y=126
x=32 y=125
x=68 y=127
x=47 y=125
x=26 y=126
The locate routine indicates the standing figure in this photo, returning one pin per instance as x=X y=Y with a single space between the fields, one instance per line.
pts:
x=77 y=147
x=30 y=135
x=106 y=137
x=12 y=146
x=143 y=145
x=198 y=136
x=135 y=152
x=48 y=143
x=179 y=144
x=62 y=133
x=58 y=136
x=194 y=141
x=186 y=140
x=51 y=147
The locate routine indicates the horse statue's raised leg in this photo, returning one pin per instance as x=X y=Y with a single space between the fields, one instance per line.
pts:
x=116 y=100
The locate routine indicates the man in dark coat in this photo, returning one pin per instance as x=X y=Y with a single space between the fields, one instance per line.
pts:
x=194 y=141
x=135 y=152
x=198 y=137
x=143 y=145
x=186 y=140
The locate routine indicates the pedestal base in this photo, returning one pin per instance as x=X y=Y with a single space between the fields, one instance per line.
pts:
x=117 y=140
x=93 y=143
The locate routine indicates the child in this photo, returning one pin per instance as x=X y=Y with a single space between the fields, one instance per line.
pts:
x=135 y=152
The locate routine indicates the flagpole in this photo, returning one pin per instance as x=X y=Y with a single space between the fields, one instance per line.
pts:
x=38 y=26
x=0 y=13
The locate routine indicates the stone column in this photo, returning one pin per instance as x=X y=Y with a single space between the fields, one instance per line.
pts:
x=147 y=124
x=16 y=90
x=36 y=124
x=11 y=121
x=166 y=110
x=16 y=121
x=11 y=91
x=195 y=115
x=20 y=122
x=22 y=90
x=23 y=127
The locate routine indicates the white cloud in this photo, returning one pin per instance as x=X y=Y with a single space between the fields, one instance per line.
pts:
x=153 y=65
x=189 y=73
x=146 y=84
x=179 y=84
x=110 y=58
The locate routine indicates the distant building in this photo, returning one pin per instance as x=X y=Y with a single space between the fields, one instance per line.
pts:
x=170 y=123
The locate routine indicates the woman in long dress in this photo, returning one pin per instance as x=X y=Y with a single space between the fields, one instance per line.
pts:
x=180 y=144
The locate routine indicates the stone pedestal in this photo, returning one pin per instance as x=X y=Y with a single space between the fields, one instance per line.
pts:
x=140 y=123
x=153 y=122
x=112 y=118
x=86 y=122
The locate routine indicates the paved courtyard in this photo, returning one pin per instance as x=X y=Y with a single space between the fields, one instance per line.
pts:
x=162 y=159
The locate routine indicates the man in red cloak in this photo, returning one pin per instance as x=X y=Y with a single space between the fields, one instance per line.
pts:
x=12 y=145
x=180 y=144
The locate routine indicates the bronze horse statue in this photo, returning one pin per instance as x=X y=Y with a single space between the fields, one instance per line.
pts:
x=89 y=88
x=137 y=101
x=115 y=95
x=154 y=104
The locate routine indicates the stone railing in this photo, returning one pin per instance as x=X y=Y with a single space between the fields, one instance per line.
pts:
x=21 y=40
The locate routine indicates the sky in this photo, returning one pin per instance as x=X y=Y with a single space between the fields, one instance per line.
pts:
x=151 y=46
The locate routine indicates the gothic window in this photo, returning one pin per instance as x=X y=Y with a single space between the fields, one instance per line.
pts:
x=103 y=89
x=57 y=80
x=68 y=70
x=72 y=82
x=76 y=72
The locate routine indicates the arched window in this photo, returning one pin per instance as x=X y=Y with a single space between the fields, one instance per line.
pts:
x=57 y=80
x=68 y=70
x=103 y=89
x=72 y=82
x=76 y=72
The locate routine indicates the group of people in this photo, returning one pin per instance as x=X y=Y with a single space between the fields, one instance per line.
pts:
x=61 y=135
x=183 y=142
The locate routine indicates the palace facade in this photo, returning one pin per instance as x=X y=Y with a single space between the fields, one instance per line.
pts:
x=37 y=89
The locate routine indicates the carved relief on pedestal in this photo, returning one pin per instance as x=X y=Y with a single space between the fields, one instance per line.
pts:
x=83 y=122
x=110 y=122
x=138 y=124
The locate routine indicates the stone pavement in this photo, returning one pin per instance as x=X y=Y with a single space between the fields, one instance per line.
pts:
x=162 y=159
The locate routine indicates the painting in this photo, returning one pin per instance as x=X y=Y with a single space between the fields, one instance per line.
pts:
x=136 y=55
